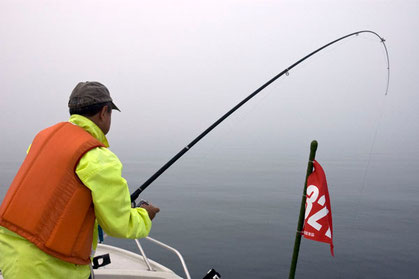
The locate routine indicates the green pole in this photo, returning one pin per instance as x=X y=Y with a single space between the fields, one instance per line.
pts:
x=313 y=148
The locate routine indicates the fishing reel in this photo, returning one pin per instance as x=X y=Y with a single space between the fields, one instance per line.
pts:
x=134 y=204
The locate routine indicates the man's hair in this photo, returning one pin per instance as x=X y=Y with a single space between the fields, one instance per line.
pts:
x=91 y=110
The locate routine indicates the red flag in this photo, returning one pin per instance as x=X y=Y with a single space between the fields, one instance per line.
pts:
x=318 y=216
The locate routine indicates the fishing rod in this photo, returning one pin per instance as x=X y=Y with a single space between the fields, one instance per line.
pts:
x=135 y=195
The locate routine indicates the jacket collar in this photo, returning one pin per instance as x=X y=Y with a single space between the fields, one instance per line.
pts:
x=90 y=127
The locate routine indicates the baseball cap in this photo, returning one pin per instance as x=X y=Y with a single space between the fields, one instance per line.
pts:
x=89 y=93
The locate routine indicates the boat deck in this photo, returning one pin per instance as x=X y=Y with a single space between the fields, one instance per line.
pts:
x=125 y=264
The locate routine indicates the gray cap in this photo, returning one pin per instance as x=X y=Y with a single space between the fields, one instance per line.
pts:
x=89 y=93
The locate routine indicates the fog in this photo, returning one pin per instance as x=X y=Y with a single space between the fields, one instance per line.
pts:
x=174 y=67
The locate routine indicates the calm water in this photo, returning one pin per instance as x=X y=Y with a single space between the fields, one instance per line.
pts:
x=237 y=212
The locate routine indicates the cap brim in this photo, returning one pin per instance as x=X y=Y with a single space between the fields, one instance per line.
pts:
x=115 y=107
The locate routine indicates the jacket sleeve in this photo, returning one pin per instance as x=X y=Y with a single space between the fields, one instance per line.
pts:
x=100 y=171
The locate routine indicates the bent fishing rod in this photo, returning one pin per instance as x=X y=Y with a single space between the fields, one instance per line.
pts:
x=135 y=195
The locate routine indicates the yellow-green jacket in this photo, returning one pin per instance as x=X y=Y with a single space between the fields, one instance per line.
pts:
x=100 y=171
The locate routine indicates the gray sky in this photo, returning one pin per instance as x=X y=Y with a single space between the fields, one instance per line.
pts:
x=174 y=67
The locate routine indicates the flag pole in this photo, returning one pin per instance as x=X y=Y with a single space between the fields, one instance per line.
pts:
x=313 y=149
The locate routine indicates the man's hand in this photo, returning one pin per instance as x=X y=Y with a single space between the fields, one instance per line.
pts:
x=151 y=210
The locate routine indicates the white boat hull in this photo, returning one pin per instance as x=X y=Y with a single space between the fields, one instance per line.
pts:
x=125 y=264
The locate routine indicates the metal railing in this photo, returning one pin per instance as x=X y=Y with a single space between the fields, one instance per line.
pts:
x=161 y=244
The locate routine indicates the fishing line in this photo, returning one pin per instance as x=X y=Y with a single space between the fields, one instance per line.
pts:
x=378 y=123
x=286 y=71
x=355 y=223
x=372 y=146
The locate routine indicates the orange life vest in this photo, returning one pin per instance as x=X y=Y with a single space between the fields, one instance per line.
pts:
x=46 y=202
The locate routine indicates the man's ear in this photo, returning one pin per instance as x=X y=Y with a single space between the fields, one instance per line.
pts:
x=103 y=111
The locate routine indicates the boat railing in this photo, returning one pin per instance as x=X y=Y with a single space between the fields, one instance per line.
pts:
x=163 y=245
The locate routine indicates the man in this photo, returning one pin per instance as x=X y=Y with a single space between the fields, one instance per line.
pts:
x=68 y=183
